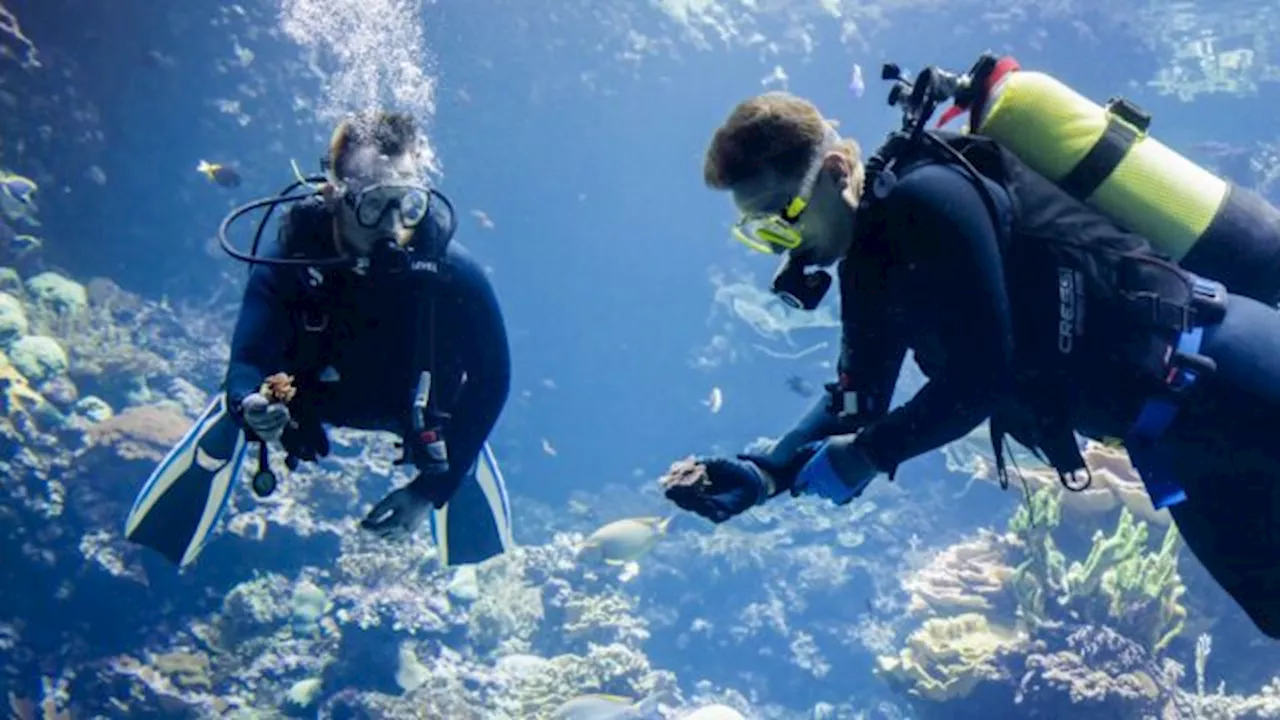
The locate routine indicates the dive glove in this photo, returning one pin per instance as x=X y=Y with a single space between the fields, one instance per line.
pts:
x=717 y=488
x=838 y=471
x=401 y=512
x=268 y=420
x=397 y=515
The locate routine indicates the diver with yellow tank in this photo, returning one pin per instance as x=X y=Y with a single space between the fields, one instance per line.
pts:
x=1104 y=156
x=1030 y=267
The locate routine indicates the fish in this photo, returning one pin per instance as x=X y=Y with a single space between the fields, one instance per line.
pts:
x=18 y=199
x=624 y=541
x=20 y=189
x=715 y=401
x=856 y=83
x=715 y=712
x=14 y=245
x=800 y=386
x=598 y=706
x=224 y=175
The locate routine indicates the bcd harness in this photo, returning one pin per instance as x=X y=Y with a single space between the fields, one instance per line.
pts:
x=1131 y=291
x=425 y=444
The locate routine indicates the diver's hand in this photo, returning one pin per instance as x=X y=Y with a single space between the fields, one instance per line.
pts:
x=305 y=440
x=716 y=488
x=837 y=470
x=398 y=515
x=266 y=419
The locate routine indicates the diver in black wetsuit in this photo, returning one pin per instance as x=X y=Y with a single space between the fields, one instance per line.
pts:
x=358 y=339
x=1022 y=307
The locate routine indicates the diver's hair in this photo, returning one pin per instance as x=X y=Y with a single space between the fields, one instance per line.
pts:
x=393 y=133
x=774 y=133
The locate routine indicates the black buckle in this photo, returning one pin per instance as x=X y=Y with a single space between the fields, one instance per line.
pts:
x=315 y=320
x=1209 y=301
x=835 y=398
x=1162 y=313
x=1129 y=112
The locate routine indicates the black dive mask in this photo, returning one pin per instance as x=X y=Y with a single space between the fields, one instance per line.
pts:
x=799 y=287
x=427 y=248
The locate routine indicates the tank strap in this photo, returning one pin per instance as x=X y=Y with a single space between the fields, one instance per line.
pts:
x=1126 y=123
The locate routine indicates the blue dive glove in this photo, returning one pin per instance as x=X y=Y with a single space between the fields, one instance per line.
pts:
x=838 y=471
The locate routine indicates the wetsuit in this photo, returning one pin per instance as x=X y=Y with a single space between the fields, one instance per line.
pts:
x=934 y=281
x=362 y=370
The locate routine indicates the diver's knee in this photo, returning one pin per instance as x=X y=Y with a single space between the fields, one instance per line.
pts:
x=1263 y=610
x=1268 y=622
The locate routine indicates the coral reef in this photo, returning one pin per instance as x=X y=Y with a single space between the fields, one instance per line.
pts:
x=292 y=612
x=1013 y=619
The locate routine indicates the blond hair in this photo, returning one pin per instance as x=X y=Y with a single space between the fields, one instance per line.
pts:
x=774 y=133
x=392 y=133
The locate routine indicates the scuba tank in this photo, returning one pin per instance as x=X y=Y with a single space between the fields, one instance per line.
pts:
x=1104 y=156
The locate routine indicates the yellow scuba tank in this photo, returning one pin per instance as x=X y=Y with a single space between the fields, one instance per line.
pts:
x=1104 y=156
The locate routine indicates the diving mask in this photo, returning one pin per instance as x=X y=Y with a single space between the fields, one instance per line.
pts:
x=372 y=205
x=778 y=232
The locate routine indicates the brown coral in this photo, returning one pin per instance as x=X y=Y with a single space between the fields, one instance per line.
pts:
x=143 y=433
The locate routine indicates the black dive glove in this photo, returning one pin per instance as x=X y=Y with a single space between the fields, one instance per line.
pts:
x=305 y=440
x=403 y=510
x=721 y=488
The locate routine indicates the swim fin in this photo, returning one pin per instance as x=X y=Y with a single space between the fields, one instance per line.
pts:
x=180 y=503
x=475 y=524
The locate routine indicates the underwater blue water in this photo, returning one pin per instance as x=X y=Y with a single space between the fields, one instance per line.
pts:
x=605 y=243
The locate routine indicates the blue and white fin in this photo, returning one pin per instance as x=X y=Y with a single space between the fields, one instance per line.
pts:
x=475 y=524
x=179 y=506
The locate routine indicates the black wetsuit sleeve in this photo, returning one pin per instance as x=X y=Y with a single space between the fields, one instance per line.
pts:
x=471 y=327
x=262 y=332
x=956 y=296
x=866 y=322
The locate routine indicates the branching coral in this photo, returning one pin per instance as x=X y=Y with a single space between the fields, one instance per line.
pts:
x=1119 y=584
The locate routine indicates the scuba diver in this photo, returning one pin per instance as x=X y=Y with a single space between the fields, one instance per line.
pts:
x=364 y=315
x=1026 y=303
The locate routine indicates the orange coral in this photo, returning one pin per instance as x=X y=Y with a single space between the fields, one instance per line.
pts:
x=279 y=387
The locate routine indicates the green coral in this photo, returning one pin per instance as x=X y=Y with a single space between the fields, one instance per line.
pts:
x=1150 y=581
x=1128 y=541
x=58 y=293
x=947 y=657
x=38 y=358
x=1044 y=570
x=13 y=319
x=1118 y=584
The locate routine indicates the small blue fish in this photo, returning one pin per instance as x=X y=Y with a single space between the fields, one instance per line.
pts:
x=856 y=83
x=14 y=245
x=20 y=189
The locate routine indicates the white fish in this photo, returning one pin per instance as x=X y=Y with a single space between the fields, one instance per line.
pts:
x=595 y=707
x=624 y=541
x=715 y=401
x=856 y=83
x=715 y=712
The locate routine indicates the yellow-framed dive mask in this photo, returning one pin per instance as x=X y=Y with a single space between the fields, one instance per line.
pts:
x=775 y=233
x=772 y=233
